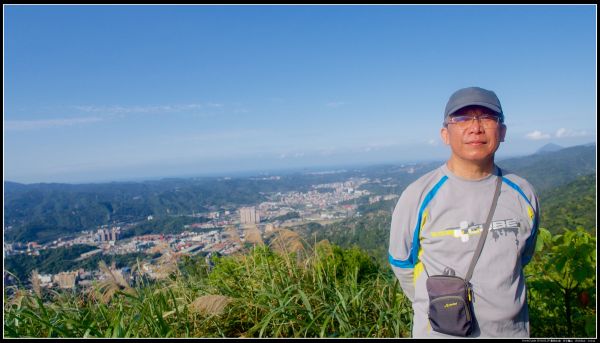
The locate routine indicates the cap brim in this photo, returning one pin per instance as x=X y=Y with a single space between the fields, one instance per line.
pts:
x=484 y=104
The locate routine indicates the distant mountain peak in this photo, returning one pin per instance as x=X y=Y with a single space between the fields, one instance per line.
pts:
x=550 y=147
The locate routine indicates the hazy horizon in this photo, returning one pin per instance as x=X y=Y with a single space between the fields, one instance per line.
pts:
x=275 y=170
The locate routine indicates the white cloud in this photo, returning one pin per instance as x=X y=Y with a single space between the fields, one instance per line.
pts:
x=537 y=135
x=562 y=133
x=19 y=125
x=433 y=142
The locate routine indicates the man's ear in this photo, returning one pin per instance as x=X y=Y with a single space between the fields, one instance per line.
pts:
x=502 y=132
x=444 y=134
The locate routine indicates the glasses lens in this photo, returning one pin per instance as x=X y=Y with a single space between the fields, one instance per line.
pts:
x=486 y=120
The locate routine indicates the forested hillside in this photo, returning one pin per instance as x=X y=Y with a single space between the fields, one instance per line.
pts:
x=551 y=169
x=44 y=212
x=370 y=232
x=570 y=206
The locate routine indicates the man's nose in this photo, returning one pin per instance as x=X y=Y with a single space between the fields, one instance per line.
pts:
x=475 y=124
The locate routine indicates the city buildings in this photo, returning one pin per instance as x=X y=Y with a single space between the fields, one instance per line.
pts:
x=65 y=279
x=218 y=231
x=106 y=235
x=249 y=215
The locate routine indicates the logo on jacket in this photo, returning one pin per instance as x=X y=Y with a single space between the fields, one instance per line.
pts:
x=498 y=227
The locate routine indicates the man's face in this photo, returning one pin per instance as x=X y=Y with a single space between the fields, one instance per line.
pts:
x=476 y=142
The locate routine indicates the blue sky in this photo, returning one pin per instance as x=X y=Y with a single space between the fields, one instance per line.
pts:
x=100 y=93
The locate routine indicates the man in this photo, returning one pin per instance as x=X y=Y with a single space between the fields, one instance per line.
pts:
x=438 y=220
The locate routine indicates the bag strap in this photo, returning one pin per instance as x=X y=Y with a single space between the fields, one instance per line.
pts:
x=485 y=228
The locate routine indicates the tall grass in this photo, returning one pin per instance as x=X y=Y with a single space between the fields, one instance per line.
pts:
x=321 y=291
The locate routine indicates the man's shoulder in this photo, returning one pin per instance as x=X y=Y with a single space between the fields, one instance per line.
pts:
x=416 y=191
x=518 y=182
x=426 y=181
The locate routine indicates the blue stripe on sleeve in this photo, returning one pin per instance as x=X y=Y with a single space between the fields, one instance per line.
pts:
x=517 y=188
x=411 y=261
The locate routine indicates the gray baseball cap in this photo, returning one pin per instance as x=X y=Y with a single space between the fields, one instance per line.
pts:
x=473 y=96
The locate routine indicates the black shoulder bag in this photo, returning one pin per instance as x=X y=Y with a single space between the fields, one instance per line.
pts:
x=450 y=297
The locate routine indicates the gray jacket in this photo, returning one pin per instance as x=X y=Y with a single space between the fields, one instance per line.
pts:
x=438 y=221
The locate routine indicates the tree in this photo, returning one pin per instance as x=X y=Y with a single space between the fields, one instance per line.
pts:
x=565 y=264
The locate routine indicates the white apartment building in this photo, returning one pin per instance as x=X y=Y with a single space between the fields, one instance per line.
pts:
x=249 y=215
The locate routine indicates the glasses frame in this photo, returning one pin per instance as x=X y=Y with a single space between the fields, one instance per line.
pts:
x=463 y=124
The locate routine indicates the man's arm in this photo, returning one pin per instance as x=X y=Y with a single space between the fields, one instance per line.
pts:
x=405 y=276
x=401 y=241
x=530 y=244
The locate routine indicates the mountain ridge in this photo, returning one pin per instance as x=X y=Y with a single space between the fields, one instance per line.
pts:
x=550 y=147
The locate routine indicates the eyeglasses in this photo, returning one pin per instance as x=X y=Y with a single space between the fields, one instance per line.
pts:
x=488 y=121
